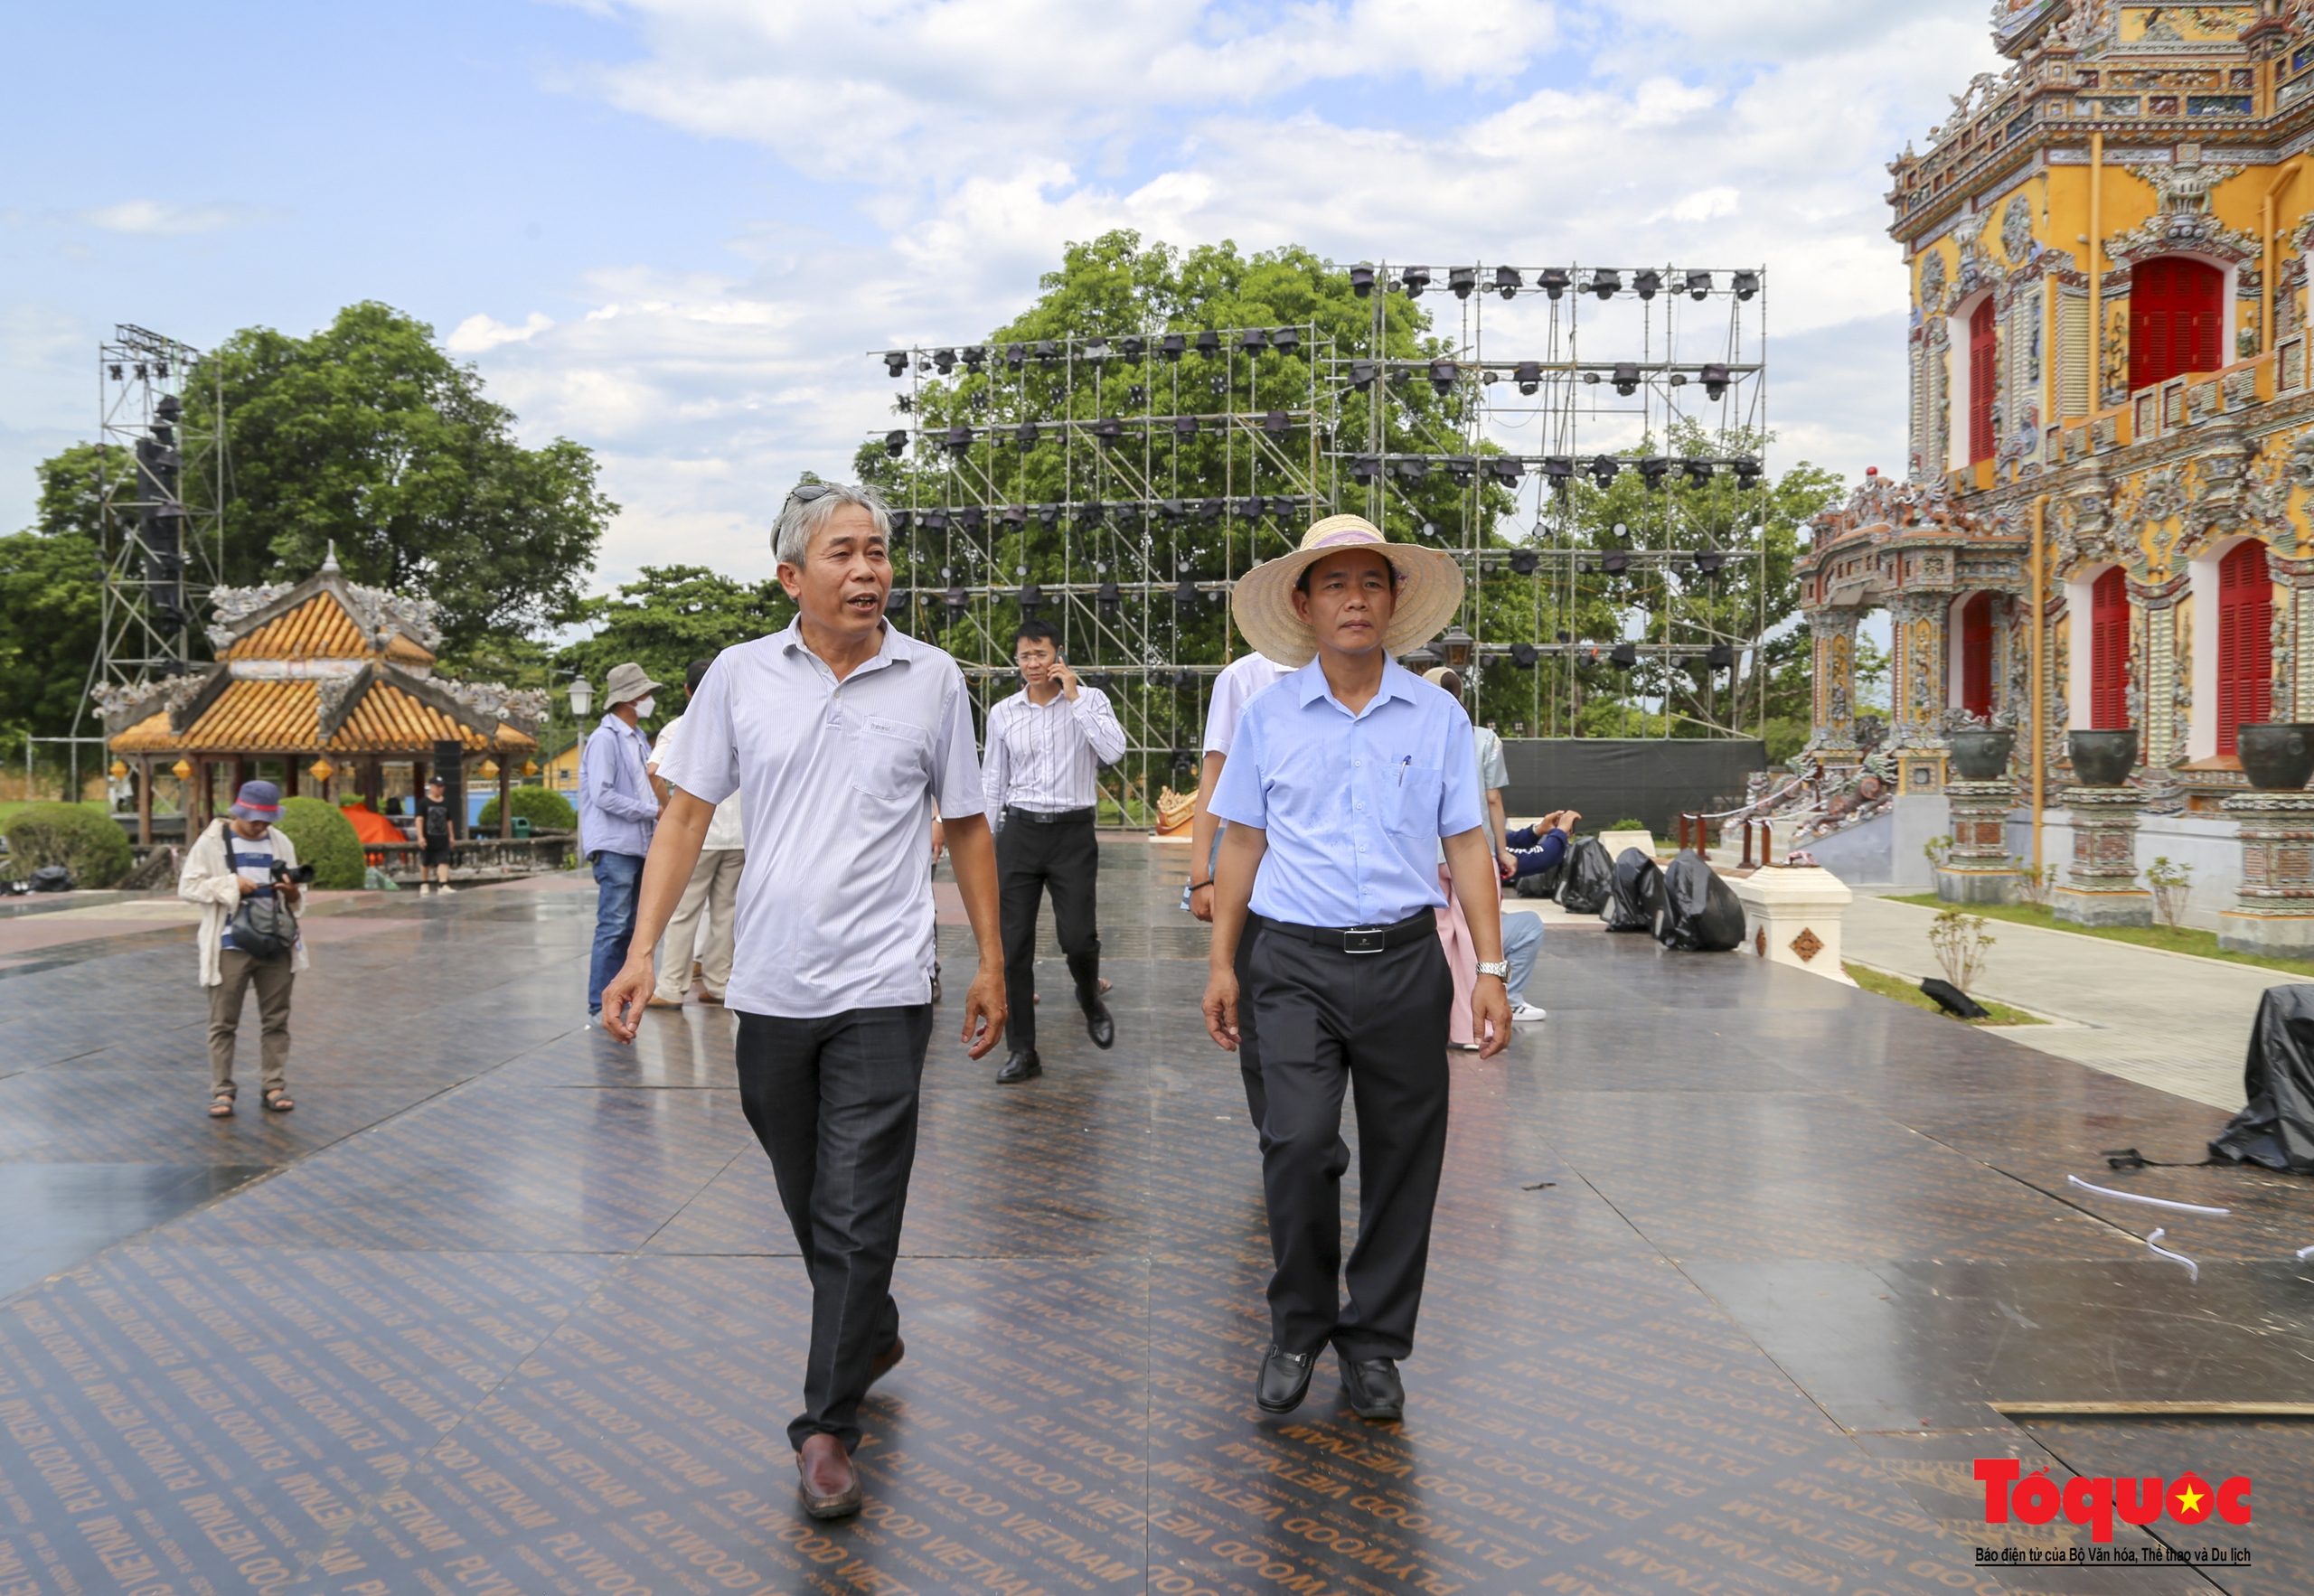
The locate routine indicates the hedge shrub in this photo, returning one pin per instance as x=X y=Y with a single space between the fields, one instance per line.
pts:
x=325 y=840
x=546 y=809
x=92 y=846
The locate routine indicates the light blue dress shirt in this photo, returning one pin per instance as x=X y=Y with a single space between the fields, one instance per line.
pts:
x=618 y=810
x=1353 y=805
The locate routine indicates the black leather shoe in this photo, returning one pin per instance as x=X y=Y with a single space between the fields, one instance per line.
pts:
x=1100 y=1023
x=1373 y=1387
x=1021 y=1066
x=1284 y=1380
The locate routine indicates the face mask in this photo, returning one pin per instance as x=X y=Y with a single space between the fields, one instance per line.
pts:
x=643 y=708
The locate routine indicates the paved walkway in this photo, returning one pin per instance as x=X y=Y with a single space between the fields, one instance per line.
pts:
x=2167 y=1021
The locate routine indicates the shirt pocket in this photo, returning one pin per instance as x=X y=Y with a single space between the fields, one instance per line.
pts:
x=891 y=760
x=1416 y=811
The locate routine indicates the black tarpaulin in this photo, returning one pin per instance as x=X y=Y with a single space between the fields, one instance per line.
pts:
x=1637 y=894
x=1587 y=877
x=2277 y=1128
x=1701 y=913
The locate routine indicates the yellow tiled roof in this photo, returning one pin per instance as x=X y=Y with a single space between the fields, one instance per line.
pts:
x=317 y=629
x=285 y=716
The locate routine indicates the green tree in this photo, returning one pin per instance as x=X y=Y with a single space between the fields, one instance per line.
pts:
x=51 y=592
x=667 y=617
x=367 y=435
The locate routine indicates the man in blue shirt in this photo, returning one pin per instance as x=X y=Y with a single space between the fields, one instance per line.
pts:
x=617 y=809
x=1342 y=782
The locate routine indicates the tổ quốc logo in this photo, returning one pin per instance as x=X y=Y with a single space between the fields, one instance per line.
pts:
x=2097 y=1500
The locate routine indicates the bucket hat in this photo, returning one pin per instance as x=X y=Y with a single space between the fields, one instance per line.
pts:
x=628 y=682
x=258 y=800
x=1429 y=591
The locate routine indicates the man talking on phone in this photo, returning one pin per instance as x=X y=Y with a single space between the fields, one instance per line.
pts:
x=1046 y=746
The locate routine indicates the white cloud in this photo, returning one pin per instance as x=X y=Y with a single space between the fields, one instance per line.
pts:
x=169 y=218
x=478 y=332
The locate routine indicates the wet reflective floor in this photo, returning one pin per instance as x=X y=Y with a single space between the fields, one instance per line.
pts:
x=1735 y=1272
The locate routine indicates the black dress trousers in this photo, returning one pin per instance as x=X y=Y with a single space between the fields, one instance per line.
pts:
x=1034 y=857
x=833 y=1101
x=1375 y=1023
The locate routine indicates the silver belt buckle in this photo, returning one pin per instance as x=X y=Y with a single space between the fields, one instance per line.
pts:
x=1361 y=942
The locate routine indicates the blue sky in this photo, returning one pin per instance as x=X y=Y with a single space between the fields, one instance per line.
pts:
x=669 y=229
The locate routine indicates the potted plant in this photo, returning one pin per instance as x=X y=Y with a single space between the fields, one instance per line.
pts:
x=2103 y=758
x=2277 y=755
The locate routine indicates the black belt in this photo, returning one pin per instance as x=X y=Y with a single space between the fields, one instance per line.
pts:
x=1044 y=817
x=1362 y=939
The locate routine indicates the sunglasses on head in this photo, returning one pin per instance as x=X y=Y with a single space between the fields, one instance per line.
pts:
x=804 y=493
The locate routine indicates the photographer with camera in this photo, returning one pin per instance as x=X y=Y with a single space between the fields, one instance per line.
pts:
x=245 y=876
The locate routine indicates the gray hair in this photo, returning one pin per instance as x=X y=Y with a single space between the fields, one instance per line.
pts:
x=800 y=519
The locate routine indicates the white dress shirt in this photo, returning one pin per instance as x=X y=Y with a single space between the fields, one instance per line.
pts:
x=1047 y=757
x=1241 y=681
x=728 y=829
x=836 y=780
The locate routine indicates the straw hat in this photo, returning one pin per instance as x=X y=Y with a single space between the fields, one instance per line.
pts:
x=1430 y=590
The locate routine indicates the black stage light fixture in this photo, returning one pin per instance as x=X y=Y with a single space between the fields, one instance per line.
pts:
x=1622 y=656
x=1709 y=560
x=1602 y=468
x=1016 y=355
x=956 y=598
x=1182 y=758
x=900 y=518
x=1212 y=509
x=1184 y=426
x=169 y=409
x=1558 y=470
x=1505 y=469
x=1525 y=562
x=1133 y=348
x=1460 y=467
x=1698 y=285
x=1048 y=514
x=1172 y=345
x=1208 y=342
x=1252 y=508
x=1462 y=279
x=944 y=359
x=1722 y=657
x=1412 y=467
x=1528 y=376
x=1136 y=395
x=1015 y=516
x=1171 y=509
x=1747 y=472
x=1253 y=341
x=1414 y=279
x=1031 y=600
x=1097 y=348
x=973 y=517
x=1218 y=384
x=1555 y=281
x=116 y=376
x=1185 y=594
x=1046 y=349
x=1443 y=373
x=141 y=372
x=896 y=601
x=1647 y=284
x=1361 y=375
x=906 y=404
x=1524 y=655
x=1361 y=280
x=1111 y=598
x=1655 y=468
x=1626 y=378
x=1364 y=469
x=895 y=362
x=1747 y=283
x=979 y=400
x=896 y=442
x=1026 y=434
x=935 y=521
x=1616 y=561
x=1562 y=637
x=1605 y=282
x=974 y=354
x=1277 y=423
x=1108 y=430
x=1698 y=471
x=1285 y=340
x=959 y=439
x=1714 y=380
x=1507 y=281
x=1085 y=512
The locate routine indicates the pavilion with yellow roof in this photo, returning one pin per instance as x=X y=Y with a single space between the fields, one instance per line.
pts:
x=331 y=682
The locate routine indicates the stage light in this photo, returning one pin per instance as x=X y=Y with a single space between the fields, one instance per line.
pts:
x=1747 y=472
x=1208 y=342
x=1562 y=637
x=974 y=354
x=1172 y=345
x=1185 y=594
x=935 y=521
x=900 y=518
x=959 y=440
x=1558 y=470
x=1414 y=279
x=1412 y=467
x=1031 y=600
x=1528 y=376
x=1016 y=355
x=141 y=372
x=160 y=368
x=1182 y=759
x=1460 y=467
x=1602 y=468
x=1046 y=349
x=1722 y=657
x=944 y=361
x=1605 y=281
x=1285 y=340
x=1622 y=656
x=1184 y=426
x=1048 y=514
x=1699 y=284
x=1277 y=423
x=1655 y=468
x=973 y=517
x=896 y=601
x=1363 y=469
x=1251 y=508
x=956 y=598
x=1111 y=598
x=1170 y=509
x=1524 y=655
x=1102 y=680
x=1507 y=281
x=906 y=404
x=1626 y=378
x=1714 y=380
x=117 y=377
x=1361 y=280
x=1698 y=471
x=1087 y=512
x=1361 y=375
x=1442 y=376
x=1218 y=384
x=1462 y=279
x=1026 y=434
x=1108 y=430
x=1647 y=284
x=1133 y=348
x=1505 y=469
x=896 y=442
x=1555 y=281
x=1615 y=562
x=1253 y=341
x=1525 y=562
x=1212 y=509
x=1591 y=378
x=1015 y=516
x=1747 y=283
x=895 y=362
x=1709 y=561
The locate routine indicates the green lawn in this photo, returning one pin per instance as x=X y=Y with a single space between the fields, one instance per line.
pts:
x=2183 y=940
x=1905 y=991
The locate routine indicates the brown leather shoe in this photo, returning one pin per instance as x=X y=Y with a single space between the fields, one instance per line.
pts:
x=826 y=1479
x=886 y=1359
x=710 y=999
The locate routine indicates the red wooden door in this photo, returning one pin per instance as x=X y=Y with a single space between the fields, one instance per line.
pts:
x=2177 y=320
x=2246 y=621
x=1984 y=348
x=2109 y=652
x=1976 y=655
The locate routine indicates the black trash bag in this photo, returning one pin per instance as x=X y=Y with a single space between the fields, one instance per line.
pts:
x=1542 y=883
x=1952 y=1000
x=1587 y=877
x=2277 y=1129
x=1701 y=913
x=51 y=879
x=1638 y=892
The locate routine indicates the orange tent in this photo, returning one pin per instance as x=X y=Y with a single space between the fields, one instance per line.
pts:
x=372 y=826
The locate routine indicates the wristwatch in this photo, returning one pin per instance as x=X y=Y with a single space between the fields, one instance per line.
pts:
x=1499 y=969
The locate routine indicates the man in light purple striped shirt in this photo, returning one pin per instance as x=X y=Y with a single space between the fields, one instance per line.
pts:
x=1046 y=746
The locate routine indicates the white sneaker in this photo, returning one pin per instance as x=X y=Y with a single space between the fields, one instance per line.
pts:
x=450 y=889
x=1522 y=1012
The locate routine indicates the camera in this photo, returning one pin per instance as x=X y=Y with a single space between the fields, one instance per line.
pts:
x=298 y=876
